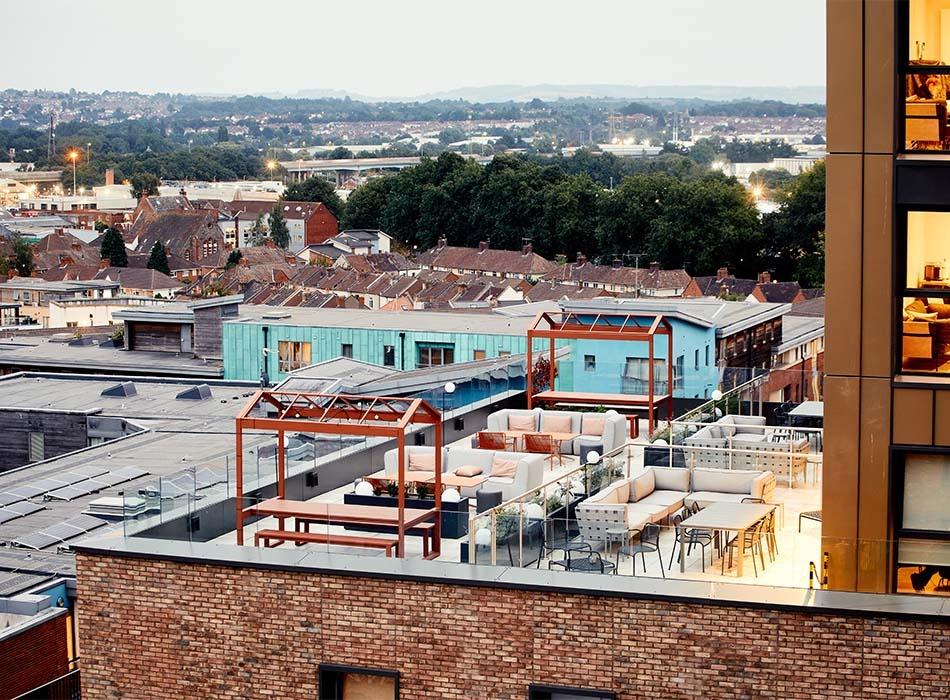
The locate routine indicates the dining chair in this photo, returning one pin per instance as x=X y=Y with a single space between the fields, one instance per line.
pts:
x=649 y=542
x=540 y=443
x=492 y=441
x=752 y=539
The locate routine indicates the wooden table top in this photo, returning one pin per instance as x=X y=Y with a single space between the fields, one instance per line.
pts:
x=338 y=512
x=728 y=516
x=450 y=479
x=558 y=437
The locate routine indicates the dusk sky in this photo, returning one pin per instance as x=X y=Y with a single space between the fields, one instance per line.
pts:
x=385 y=48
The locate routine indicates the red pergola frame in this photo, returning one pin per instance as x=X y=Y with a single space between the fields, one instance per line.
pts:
x=341 y=414
x=573 y=325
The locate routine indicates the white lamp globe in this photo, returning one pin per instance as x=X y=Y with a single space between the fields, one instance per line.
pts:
x=534 y=511
x=451 y=495
x=593 y=457
x=577 y=487
x=611 y=413
x=716 y=395
x=364 y=488
x=660 y=441
x=450 y=388
x=483 y=537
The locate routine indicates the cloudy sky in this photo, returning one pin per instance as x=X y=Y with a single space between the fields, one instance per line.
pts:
x=408 y=47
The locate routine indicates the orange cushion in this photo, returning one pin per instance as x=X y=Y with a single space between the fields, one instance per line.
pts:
x=468 y=471
x=422 y=461
x=555 y=424
x=503 y=467
x=521 y=422
x=593 y=425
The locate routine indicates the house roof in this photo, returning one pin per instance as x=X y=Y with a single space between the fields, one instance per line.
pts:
x=546 y=291
x=642 y=278
x=139 y=278
x=379 y=262
x=171 y=228
x=250 y=209
x=487 y=260
x=779 y=292
x=51 y=250
x=161 y=204
x=714 y=286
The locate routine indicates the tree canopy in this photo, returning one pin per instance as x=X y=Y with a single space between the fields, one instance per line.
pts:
x=315 y=189
x=279 y=232
x=113 y=249
x=144 y=185
x=158 y=260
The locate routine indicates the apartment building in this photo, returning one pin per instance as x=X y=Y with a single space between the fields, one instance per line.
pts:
x=886 y=524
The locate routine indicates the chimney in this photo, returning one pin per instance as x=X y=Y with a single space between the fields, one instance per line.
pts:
x=110 y=177
x=526 y=249
x=616 y=263
x=441 y=243
x=581 y=258
x=765 y=278
x=482 y=245
x=722 y=273
x=654 y=266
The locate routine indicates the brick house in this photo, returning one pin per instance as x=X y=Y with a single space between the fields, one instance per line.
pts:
x=309 y=223
x=523 y=264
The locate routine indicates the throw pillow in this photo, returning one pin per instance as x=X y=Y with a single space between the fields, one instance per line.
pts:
x=918 y=316
x=942 y=310
x=916 y=305
x=522 y=421
x=593 y=425
x=468 y=471
x=422 y=461
x=555 y=424
x=502 y=467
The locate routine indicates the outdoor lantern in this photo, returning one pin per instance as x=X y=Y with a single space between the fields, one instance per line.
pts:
x=364 y=488
x=450 y=388
x=660 y=441
x=716 y=395
x=611 y=413
x=577 y=487
x=593 y=457
x=534 y=511
x=483 y=537
x=451 y=495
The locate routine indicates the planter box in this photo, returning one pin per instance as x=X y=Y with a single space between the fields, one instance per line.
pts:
x=454 y=515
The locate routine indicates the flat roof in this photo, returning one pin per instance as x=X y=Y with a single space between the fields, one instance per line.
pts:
x=799 y=329
x=432 y=321
x=39 y=352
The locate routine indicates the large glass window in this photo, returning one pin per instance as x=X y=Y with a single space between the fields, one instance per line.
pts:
x=389 y=355
x=292 y=355
x=636 y=379
x=537 y=692
x=925 y=75
x=924 y=293
x=435 y=354
x=341 y=683
x=922 y=482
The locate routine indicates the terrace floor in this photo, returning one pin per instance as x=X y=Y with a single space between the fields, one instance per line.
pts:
x=790 y=568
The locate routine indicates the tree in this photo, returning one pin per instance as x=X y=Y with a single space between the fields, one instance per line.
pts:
x=112 y=249
x=157 y=260
x=22 y=257
x=315 y=189
x=258 y=231
x=223 y=134
x=279 y=232
x=794 y=240
x=144 y=185
x=234 y=257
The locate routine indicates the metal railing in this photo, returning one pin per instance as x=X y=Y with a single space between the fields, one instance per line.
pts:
x=66 y=687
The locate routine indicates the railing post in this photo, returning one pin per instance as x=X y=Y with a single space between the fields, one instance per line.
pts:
x=494 y=538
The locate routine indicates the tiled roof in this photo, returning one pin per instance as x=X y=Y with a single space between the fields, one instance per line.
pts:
x=138 y=278
x=172 y=203
x=59 y=245
x=173 y=228
x=642 y=278
x=249 y=209
x=379 y=262
x=553 y=291
x=780 y=292
x=721 y=286
x=487 y=260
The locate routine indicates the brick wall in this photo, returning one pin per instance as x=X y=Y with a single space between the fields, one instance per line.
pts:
x=33 y=658
x=160 y=629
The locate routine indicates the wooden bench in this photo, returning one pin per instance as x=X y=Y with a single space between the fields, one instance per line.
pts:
x=299 y=538
x=302 y=525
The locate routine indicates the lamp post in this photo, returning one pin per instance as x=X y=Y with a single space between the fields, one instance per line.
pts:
x=449 y=388
x=73 y=155
x=716 y=395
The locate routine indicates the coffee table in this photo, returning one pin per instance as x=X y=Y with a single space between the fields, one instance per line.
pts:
x=449 y=479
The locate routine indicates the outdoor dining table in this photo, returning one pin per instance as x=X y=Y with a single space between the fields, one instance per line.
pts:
x=515 y=435
x=339 y=513
x=730 y=517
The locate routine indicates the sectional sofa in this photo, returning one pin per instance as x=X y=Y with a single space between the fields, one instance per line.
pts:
x=610 y=430
x=528 y=469
x=657 y=493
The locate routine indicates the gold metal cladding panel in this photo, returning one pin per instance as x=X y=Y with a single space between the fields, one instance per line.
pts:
x=879 y=72
x=845 y=57
x=842 y=268
x=913 y=417
x=873 y=467
x=877 y=326
x=942 y=417
x=842 y=436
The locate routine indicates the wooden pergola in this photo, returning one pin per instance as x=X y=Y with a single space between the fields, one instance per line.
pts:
x=572 y=325
x=339 y=414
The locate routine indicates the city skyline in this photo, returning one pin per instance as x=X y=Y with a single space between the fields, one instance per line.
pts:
x=428 y=47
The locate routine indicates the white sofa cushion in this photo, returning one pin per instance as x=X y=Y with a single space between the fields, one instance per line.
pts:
x=642 y=486
x=671 y=478
x=724 y=480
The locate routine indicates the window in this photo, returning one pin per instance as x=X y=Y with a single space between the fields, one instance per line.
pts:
x=922 y=485
x=72 y=324
x=37 y=447
x=389 y=355
x=925 y=76
x=292 y=355
x=696 y=359
x=478 y=354
x=343 y=683
x=434 y=354
x=590 y=363
x=636 y=378
x=924 y=292
x=209 y=247
x=504 y=353
x=679 y=371
x=547 y=692
x=346 y=350
x=707 y=354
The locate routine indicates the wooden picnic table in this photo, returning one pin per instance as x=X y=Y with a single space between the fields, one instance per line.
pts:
x=340 y=514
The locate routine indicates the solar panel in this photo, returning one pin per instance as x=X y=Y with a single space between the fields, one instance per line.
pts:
x=26 y=491
x=69 y=493
x=90 y=472
x=63 y=531
x=129 y=473
x=35 y=540
x=7 y=498
x=24 y=508
x=7 y=515
x=69 y=478
x=47 y=484
x=86 y=522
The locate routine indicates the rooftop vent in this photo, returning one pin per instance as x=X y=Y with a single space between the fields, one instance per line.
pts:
x=120 y=390
x=275 y=316
x=195 y=393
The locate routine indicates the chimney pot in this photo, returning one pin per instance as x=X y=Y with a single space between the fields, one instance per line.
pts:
x=765 y=278
x=654 y=266
x=441 y=243
x=110 y=177
x=526 y=249
x=617 y=263
x=482 y=245
x=581 y=258
x=722 y=273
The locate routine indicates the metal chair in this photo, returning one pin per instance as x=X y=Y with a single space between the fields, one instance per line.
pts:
x=649 y=542
x=690 y=537
x=750 y=499
x=579 y=560
x=492 y=441
x=752 y=539
x=695 y=508
x=539 y=443
x=551 y=543
x=768 y=532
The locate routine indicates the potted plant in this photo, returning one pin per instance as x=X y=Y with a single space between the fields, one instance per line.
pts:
x=392 y=489
x=423 y=491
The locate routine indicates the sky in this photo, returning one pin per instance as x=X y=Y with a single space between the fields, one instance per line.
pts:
x=385 y=48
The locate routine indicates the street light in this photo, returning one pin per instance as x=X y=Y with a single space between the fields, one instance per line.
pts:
x=716 y=395
x=73 y=155
x=449 y=388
